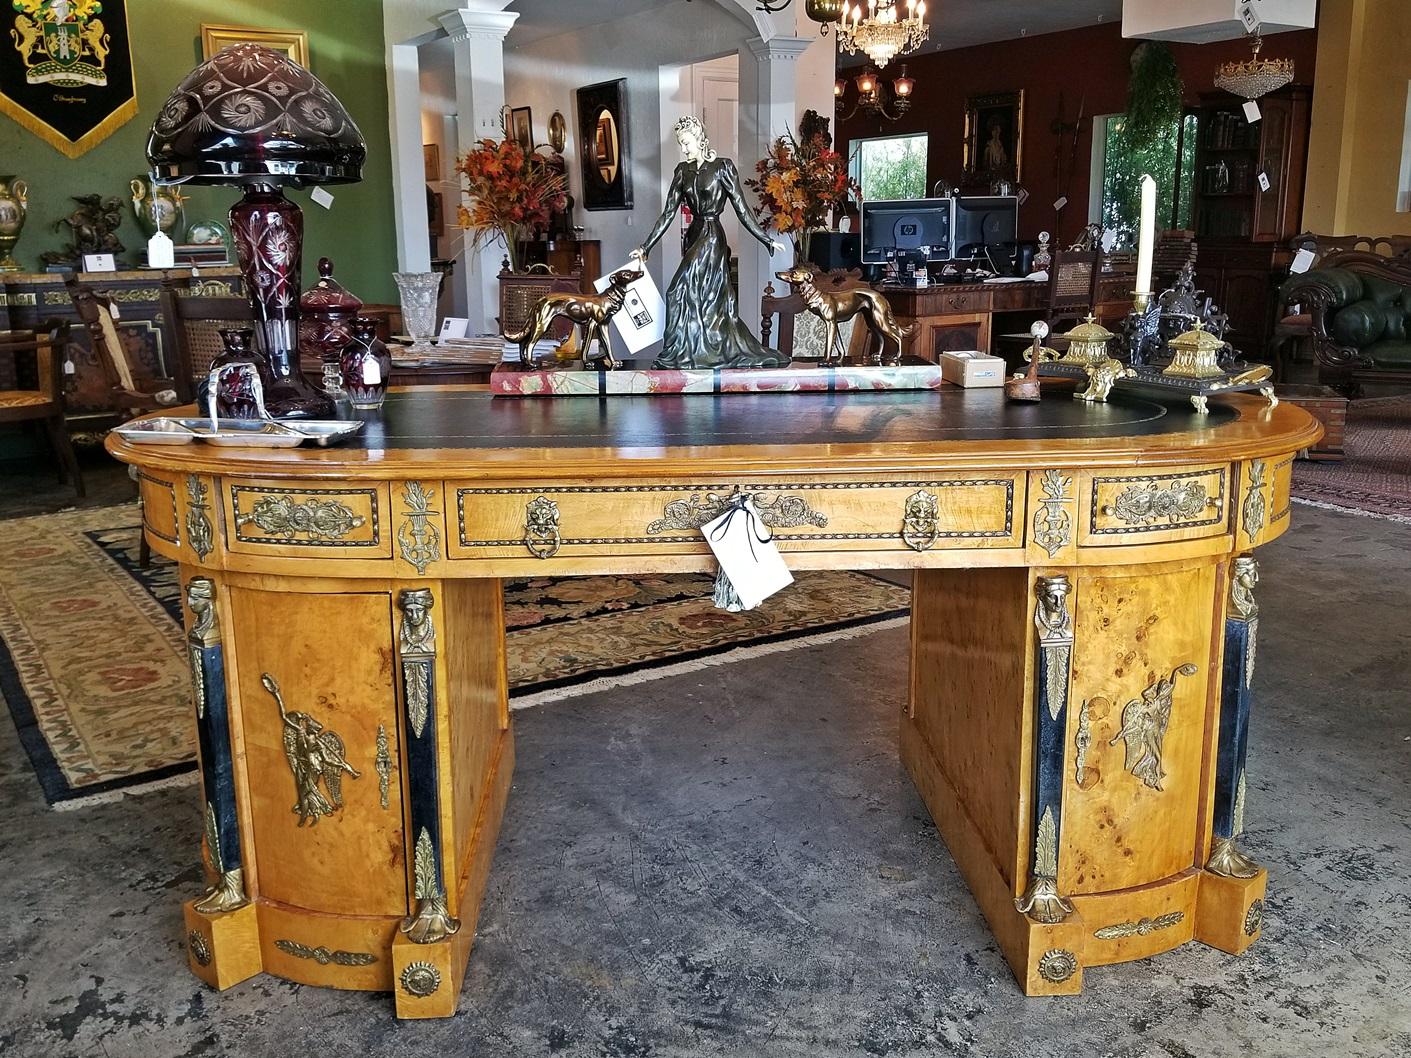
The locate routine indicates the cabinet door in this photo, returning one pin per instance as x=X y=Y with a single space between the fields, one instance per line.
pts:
x=331 y=658
x=945 y=334
x=1248 y=297
x=1274 y=163
x=1137 y=720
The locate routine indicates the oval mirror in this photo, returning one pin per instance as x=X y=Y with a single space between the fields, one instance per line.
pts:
x=605 y=140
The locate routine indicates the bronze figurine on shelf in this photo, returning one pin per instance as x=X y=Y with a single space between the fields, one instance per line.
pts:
x=592 y=313
x=835 y=307
x=94 y=225
x=703 y=325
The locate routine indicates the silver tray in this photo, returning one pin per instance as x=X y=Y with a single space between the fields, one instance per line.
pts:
x=155 y=432
x=239 y=433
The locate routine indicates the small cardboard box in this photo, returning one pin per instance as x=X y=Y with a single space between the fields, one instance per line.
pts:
x=971 y=368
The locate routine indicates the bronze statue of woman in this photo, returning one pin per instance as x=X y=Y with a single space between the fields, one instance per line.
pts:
x=703 y=325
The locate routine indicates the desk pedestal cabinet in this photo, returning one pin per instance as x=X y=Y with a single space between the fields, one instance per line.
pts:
x=1083 y=648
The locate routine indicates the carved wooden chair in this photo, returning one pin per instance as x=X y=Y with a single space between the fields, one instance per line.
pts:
x=520 y=292
x=196 y=319
x=36 y=362
x=129 y=394
x=801 y=333
x=1072 y=286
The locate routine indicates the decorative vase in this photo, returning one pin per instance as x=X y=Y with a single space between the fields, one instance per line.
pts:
x=269 y=239
x=419 y=291
x=240 y=377
x=14 y=199
x=366 y=365
x=326 y=313
x=158 y=209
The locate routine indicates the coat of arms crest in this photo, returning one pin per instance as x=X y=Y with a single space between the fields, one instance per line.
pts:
x=62 y=42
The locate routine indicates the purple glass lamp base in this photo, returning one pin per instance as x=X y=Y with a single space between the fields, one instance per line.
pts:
x=269 y=240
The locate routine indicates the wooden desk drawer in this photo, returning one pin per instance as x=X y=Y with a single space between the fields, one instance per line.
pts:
x=961 y=511
x=263 y=519
x=1144 y=508
x=965 y=301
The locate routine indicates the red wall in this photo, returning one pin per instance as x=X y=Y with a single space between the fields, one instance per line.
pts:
x=1091 y=64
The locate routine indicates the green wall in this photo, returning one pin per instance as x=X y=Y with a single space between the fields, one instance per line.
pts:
x=345 y=52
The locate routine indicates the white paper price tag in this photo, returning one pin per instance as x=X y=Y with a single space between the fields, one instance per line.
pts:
x=69 y=369
x=1251 y=112
x=1063 y=201
x=372 y=373
x=322 y=197
x=747 y=553
x=1302 y=261
x=99 y=262
x=1264 y=184
x=454 y=327
x=642 y=318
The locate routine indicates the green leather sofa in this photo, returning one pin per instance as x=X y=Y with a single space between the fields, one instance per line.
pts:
x=1358 y=308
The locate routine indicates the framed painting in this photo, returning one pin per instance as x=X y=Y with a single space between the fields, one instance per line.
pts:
x=603 y=145
x=431 y=162
x=293 y=42
x=522 y=128
x=994 y=138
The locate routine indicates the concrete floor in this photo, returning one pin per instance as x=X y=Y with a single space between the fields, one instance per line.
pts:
x=732 y=862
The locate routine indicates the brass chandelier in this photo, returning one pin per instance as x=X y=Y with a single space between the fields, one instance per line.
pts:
x=885 y=32
x=1255 y=77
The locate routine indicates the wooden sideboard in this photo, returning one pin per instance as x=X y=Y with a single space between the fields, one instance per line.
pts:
x=1082 y=648
x=28 y=299
x=956 y=316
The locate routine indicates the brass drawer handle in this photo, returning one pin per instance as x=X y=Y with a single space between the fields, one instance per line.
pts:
x=919 y=520
x=541 y=527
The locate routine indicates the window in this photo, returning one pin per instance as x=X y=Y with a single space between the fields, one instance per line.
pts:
x=1117 y=195
x=890 y=167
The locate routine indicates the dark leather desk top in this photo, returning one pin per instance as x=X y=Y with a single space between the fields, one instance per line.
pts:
x=465 y=432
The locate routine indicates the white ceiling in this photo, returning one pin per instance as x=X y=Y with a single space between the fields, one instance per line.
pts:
x=963 y=23
x=954 y=23
x=548 y=18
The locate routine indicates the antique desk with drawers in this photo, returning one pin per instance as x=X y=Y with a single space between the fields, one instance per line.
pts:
x=1083 y=645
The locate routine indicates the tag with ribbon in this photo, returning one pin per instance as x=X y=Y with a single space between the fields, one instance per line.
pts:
x=751 y=568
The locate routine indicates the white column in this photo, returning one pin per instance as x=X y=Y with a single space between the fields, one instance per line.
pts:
x=408 y=186
x=768 y=108
x=477 y=32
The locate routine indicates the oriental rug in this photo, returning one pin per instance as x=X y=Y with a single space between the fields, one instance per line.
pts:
x=1375 y=477
x=93 y=671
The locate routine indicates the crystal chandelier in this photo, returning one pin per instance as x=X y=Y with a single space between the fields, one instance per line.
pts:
x=1256 y=77
x=884 y=33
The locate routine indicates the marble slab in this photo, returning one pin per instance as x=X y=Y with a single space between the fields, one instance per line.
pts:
x=511 y=381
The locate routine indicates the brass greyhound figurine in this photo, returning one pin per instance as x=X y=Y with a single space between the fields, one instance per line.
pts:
x=590 y=311
x=835 y=307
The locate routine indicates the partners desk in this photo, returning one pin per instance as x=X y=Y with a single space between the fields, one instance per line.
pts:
x=1082 y=648
x=954 y=316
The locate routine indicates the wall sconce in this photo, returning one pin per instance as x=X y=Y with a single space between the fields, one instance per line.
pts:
x=872 y=95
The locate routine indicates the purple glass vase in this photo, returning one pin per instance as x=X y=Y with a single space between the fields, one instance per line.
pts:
x=366 y=365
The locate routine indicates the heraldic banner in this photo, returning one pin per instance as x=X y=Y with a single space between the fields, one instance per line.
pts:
x=66 y=71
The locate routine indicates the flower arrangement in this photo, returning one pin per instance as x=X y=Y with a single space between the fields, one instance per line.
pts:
x=800 y=183
x=508 y=190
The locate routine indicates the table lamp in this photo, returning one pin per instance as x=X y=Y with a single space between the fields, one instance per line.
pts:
x=252 y=117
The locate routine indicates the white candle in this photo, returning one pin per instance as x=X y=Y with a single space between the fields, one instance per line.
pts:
x=1146 y=246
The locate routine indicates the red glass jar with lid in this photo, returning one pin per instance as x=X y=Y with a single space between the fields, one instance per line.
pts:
x=326 y=312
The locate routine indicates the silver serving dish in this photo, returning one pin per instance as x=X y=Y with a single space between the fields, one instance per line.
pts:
x=239 y=433
x=155 y=432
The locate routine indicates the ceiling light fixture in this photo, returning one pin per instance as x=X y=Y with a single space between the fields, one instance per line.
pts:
x=1255 y=77
x=884 y=33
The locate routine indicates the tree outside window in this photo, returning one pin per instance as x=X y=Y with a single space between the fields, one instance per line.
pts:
x=891 y=167
x=1123 y=166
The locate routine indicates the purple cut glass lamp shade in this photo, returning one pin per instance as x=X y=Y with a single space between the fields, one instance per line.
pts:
x=253 y=117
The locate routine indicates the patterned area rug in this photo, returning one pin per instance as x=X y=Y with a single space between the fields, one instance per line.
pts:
x=92 y=669
x=1375 y=478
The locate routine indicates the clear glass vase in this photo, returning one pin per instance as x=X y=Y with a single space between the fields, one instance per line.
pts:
x=419 y=292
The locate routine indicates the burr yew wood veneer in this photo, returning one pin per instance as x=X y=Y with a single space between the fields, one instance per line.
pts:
x=1082 y=648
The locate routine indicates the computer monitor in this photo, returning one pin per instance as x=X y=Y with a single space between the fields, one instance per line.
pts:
x=984 y=221
x=915 y=227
